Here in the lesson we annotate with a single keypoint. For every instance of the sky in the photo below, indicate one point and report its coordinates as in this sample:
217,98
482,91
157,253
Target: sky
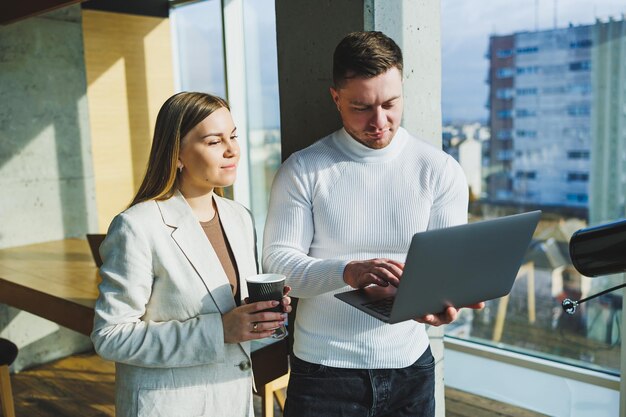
465,26
465,32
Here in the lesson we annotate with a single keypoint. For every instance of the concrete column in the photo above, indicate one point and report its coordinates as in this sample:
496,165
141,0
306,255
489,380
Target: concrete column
307,33
416,28
45,160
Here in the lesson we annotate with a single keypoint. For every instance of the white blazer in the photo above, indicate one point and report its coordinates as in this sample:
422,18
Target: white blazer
159,312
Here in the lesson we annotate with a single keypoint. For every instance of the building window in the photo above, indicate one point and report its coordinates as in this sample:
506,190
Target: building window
525,133
527,50
505,93
556,70
582,154
532,69
505,72
577,197
504,134
580,66
577,176
583,88
505,114
505,155
528,91
577,132
584,43
503,194
558,89
578,110
504,53
526,175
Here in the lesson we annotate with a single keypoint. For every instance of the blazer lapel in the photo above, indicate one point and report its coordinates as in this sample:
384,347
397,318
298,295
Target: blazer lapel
190,238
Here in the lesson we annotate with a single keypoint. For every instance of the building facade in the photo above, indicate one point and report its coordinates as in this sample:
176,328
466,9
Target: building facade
608,126
541,113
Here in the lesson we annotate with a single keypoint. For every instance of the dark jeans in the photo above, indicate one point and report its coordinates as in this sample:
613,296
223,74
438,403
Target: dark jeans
322,391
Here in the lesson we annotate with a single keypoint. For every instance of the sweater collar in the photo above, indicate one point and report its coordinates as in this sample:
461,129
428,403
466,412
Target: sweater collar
361,153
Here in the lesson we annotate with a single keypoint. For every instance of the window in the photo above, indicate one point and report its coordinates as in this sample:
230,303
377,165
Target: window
578,110
577,197
578,132
561,160
505,72
199,29
532,69
527,50
505,93
552,90
583,89
525,113
526,133
504,134
200,47
528,91
503,194
578,154
262,104
577,176
580,66
583,43
505,114
556,70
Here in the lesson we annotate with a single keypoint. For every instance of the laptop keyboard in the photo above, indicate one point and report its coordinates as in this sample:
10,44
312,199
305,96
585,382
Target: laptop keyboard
382,306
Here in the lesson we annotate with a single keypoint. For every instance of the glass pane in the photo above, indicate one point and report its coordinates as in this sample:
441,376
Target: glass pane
533,109
262,103
200,47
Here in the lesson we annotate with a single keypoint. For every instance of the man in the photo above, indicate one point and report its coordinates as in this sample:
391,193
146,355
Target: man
342,214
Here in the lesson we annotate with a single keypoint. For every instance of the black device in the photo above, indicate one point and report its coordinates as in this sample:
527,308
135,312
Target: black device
598,250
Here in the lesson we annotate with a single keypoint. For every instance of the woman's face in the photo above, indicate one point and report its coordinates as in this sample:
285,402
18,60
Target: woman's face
209,154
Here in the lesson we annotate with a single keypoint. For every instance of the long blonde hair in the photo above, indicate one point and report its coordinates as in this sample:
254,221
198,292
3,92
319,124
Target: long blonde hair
178,115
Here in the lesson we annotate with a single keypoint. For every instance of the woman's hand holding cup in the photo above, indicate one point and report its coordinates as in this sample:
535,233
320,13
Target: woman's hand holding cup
263,288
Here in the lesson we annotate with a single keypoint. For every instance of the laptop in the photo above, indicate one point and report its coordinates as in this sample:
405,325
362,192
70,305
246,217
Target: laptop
455,266
95,239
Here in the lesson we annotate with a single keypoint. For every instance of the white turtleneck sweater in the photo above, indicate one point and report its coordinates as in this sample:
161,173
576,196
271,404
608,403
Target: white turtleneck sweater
338,201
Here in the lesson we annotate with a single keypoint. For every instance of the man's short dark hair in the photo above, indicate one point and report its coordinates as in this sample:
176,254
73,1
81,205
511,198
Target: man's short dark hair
364,54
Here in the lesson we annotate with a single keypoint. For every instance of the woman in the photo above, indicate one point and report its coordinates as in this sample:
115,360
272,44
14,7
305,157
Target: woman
170,311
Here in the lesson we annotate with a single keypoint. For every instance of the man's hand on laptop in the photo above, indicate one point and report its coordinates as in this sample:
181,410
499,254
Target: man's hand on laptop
448,316
379,271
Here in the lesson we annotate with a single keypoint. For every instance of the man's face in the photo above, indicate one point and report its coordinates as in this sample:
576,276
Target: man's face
371,108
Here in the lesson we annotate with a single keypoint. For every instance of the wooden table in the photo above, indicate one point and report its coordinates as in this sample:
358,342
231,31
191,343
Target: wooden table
59,282
55,280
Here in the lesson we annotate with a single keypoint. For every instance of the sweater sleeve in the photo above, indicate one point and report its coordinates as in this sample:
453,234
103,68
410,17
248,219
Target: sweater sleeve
289,231
451,198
